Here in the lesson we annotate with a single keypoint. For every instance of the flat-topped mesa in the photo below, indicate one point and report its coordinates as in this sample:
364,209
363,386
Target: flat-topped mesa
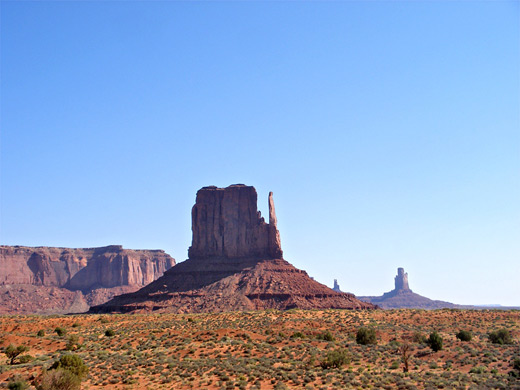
401,280
226,223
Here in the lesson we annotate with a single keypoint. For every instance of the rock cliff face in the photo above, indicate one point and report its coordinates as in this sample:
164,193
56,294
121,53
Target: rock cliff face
402,297
57,280
226,223
235,263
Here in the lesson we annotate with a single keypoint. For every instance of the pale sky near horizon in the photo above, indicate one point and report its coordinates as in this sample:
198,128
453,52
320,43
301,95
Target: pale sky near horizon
388,131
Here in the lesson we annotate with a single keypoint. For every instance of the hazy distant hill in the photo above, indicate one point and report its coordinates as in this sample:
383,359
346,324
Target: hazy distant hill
402,297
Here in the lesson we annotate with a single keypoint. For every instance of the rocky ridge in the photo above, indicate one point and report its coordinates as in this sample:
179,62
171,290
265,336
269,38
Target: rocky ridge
50,280
235,263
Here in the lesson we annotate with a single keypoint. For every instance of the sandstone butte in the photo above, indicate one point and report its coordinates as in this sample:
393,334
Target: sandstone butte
47,280
401,297
235,262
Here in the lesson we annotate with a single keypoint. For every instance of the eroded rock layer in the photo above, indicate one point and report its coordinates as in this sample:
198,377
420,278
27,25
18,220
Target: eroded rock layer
62,280
226,223
235,263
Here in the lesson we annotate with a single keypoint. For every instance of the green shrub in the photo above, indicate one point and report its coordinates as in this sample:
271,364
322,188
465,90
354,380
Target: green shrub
366,336
60,331
435,341
335,359
419,338
110,332
72,363
477,370
73,343
41,333
17,384
327,336
298,335
516,364
501,336
12,352
464,335
25,359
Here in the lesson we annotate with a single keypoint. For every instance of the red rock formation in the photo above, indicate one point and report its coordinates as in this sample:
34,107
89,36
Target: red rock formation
226,223
235,263
67,280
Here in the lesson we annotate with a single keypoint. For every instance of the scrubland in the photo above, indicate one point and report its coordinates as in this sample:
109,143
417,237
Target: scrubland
294,349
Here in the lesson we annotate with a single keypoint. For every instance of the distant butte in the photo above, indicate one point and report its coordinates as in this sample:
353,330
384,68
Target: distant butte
50,280
402,297
235,262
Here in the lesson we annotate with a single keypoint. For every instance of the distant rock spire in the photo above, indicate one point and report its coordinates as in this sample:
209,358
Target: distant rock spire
401,280
336,286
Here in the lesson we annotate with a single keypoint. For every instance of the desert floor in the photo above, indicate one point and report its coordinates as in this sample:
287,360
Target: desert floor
270,349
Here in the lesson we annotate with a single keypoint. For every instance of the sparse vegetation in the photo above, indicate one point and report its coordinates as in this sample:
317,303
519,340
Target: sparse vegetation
73,343
335,358
501,336
366,336
435,341
17,384
464,335
261,350
60,331
13,352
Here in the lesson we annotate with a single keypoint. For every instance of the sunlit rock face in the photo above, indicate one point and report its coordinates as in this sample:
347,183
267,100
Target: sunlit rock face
226,223
61,280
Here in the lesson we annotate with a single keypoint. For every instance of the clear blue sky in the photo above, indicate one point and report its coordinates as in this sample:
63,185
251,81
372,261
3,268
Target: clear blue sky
388,131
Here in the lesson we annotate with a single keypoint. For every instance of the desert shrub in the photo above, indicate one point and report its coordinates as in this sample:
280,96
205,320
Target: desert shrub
110,332
515,373
435,341
13,352
60,379
73,343
297,335
60,331
17,384
41,333
501,336
335,358
25,359
327,336
366,336
464,335
477,370
419,338
72,363
76,325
